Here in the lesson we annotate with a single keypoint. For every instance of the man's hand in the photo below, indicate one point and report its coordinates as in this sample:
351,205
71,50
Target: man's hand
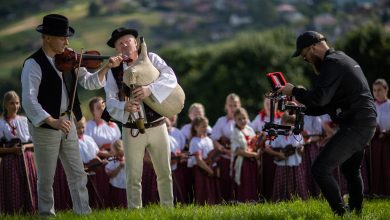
61,124
132,106
141,93
114,61
287,89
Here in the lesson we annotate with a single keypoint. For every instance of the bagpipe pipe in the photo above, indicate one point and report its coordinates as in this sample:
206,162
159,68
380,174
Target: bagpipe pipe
284,103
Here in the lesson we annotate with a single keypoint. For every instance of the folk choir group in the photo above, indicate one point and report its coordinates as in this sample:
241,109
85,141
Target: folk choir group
228,162
55,159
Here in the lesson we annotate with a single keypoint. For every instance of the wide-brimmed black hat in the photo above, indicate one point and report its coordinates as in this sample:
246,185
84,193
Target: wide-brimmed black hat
119,32
56,25
306,39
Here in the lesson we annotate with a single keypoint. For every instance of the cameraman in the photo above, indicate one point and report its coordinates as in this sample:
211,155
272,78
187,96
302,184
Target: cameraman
342,91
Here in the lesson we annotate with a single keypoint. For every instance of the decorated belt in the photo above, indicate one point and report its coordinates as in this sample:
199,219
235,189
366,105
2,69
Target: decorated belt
156,123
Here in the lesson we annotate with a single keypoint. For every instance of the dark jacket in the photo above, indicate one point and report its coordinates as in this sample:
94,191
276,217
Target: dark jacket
341,91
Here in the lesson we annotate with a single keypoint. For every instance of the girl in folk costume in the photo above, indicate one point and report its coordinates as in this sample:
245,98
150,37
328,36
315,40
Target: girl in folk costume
380,144
245,158
220,135
89,152
180,172
115,169
104,133
18,177
206,186
267,165
290,177
195,110
312,134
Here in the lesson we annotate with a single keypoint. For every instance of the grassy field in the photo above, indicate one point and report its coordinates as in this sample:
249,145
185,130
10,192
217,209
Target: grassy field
311,209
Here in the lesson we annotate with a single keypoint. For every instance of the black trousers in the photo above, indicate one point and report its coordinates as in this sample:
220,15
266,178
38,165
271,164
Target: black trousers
345,148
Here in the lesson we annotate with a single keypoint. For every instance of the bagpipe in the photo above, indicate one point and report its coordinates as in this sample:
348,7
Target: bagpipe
277,81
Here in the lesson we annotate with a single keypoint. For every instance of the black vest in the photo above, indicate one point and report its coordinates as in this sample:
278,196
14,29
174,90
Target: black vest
50,88
125,91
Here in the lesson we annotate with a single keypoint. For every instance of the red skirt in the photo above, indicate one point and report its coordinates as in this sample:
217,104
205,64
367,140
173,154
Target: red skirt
149,185
62,199
226,181
379,159
181,191
247,190
267,173
95,200
311,151
206,188
289,181
15,193
103,186
118,197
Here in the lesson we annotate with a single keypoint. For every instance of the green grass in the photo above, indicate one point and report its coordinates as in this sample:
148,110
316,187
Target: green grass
297,209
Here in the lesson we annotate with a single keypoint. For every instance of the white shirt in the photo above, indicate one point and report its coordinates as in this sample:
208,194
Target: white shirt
21,129
223,127
103,133
179,137
31,79
383,118
119,181
281,142
161,88
202,146
88,148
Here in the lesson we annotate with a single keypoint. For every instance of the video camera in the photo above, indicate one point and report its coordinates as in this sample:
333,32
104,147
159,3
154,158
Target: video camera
277,80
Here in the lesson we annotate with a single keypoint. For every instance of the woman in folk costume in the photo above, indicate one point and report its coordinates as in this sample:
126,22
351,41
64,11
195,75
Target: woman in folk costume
104,133
206,186
267,165
380,144
181,174
115,169
222,130
18,177
195,110
290,177
245,157
90,155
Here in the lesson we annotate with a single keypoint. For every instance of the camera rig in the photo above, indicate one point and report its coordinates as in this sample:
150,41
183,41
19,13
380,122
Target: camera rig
285,103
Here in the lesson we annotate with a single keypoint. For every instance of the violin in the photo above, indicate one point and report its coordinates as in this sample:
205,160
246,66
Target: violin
69,60
91,59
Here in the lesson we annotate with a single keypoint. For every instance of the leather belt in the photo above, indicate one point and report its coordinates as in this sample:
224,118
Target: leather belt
156,123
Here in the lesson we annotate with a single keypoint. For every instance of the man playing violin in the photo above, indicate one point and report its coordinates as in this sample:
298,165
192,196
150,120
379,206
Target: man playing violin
155,139
46,96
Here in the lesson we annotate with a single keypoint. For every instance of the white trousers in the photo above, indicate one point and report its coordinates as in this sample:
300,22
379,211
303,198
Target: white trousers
156,141
50,144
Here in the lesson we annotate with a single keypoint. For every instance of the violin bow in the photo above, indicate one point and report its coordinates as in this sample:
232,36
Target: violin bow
70,110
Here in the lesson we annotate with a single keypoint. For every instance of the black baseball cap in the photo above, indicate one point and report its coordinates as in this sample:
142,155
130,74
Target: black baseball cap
306,39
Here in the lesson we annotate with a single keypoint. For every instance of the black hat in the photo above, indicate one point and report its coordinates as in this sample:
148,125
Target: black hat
306,39
119,32
56,25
